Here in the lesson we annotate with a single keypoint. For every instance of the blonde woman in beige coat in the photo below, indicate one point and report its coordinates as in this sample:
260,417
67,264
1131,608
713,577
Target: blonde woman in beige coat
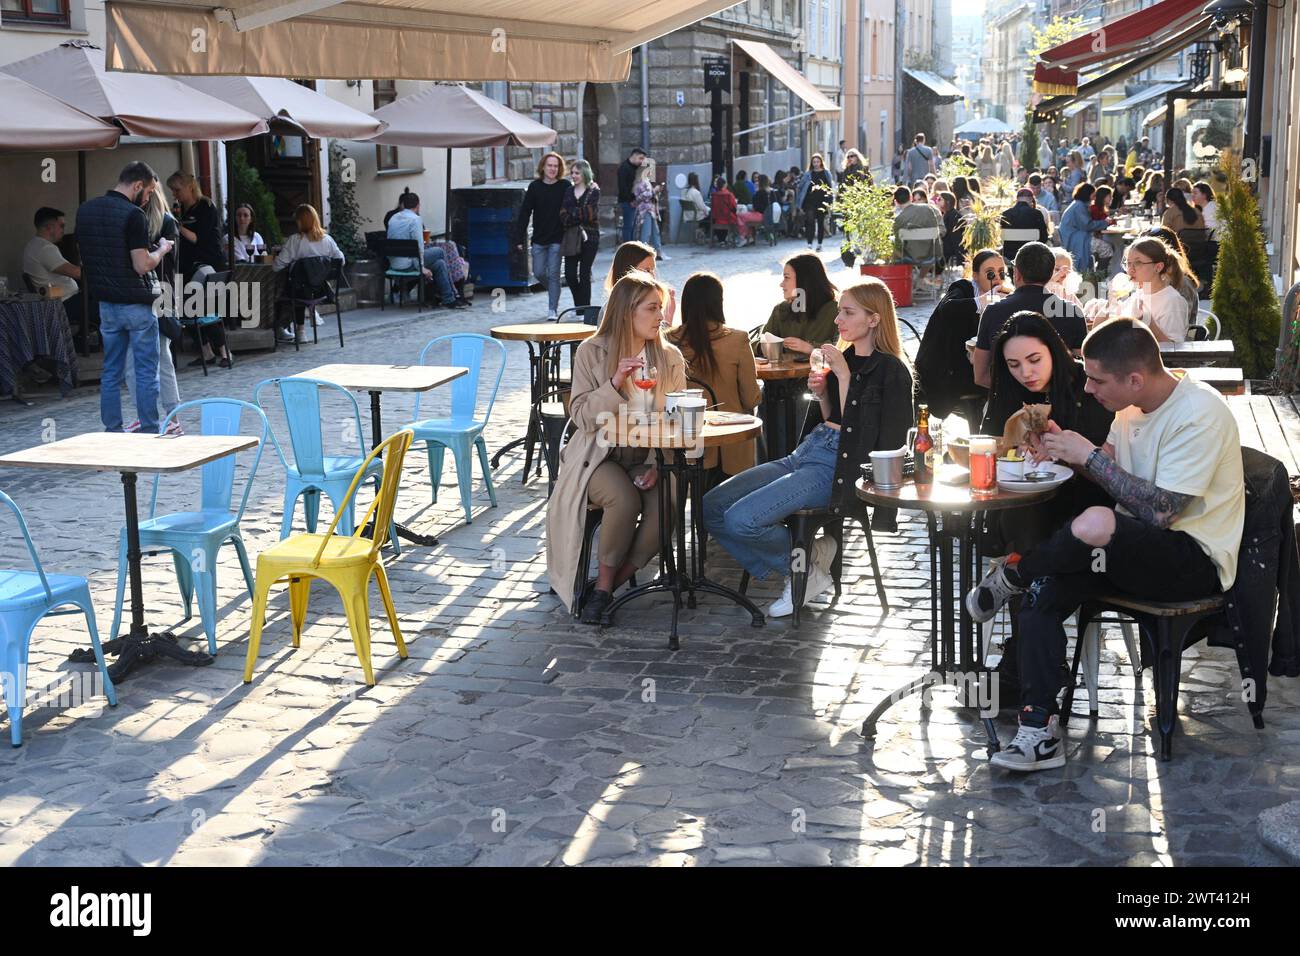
620,481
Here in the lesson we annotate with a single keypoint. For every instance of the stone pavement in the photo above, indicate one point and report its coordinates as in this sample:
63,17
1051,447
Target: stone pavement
513,735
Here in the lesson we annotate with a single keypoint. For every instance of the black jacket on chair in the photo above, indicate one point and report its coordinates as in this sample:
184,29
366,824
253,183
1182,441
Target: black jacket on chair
877,415
1263,604
943,370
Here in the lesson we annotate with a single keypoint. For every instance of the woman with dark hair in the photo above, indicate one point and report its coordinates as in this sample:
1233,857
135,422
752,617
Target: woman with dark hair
720,358
1180,214
961,193
248,241
1077,227
723,210
1153,190
581,207
743,189
1031,365
945,377
805,318
953,226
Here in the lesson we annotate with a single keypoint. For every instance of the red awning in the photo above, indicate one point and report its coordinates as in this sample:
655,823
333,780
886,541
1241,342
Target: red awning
1057,69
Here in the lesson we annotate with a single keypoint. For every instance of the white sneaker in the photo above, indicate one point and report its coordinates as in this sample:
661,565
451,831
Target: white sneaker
1034,748
551,316
824,551
174,427
663,258
993,591
819,582
316,318
784,605
284,335
133,427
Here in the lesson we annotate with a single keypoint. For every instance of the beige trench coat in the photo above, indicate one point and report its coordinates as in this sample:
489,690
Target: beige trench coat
566,512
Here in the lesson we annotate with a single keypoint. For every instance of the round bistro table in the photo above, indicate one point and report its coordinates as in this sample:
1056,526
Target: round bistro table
783,383
670,454
544,341
953,517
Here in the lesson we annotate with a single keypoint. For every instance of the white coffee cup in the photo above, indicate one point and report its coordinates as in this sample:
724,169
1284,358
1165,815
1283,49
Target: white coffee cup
691,408
671,400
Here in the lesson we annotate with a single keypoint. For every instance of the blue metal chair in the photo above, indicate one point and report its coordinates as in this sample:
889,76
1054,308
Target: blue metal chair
312,471
195,537
26,598
463,431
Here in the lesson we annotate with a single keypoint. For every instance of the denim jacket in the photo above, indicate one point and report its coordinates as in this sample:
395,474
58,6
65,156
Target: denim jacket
877,414
1268,577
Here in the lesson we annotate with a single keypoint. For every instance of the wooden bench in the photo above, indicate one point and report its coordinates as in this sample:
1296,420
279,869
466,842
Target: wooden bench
1188,354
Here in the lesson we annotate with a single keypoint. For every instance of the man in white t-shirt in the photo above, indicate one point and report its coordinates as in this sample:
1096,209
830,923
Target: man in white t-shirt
1172,463
44,264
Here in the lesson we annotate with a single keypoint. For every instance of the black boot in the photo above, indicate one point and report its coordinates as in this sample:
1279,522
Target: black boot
594,609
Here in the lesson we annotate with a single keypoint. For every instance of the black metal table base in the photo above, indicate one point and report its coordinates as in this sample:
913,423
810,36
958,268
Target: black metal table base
135,649
672,579
954,637
138,646
376,436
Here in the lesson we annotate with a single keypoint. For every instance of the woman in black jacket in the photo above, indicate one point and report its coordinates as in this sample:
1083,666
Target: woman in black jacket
202,251
1032,365
864,403
581,207
542,203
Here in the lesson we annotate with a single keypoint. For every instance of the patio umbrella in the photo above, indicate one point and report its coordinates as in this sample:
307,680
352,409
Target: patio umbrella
983,126
280,101
455,116
31,119
447,116
142,104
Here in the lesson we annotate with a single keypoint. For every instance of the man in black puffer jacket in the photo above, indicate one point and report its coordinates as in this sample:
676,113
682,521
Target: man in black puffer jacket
113,238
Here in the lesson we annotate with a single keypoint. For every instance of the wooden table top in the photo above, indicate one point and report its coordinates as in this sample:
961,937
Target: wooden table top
1271,424
1229,381
544,332
386,378
940,497
1206,350
659,434
129,452
777,371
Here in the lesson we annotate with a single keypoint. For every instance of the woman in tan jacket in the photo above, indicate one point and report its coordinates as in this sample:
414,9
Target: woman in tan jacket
721,358
619,481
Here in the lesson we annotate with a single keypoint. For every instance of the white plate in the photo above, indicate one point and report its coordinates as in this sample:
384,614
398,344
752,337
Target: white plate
1063,474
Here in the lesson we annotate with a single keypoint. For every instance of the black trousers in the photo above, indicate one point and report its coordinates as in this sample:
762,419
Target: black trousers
577,271
814,218
1140,561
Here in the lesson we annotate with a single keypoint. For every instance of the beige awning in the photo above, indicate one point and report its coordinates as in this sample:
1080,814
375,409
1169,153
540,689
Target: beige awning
284,102
518,40
458,117
156,106
31,119
822,105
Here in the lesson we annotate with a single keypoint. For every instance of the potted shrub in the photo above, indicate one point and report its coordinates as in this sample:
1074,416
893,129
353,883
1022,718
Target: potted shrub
983,229
362,269
1244,298
867,218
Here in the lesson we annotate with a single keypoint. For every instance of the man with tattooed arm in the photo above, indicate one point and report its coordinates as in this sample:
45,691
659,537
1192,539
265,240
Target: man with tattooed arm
1172,462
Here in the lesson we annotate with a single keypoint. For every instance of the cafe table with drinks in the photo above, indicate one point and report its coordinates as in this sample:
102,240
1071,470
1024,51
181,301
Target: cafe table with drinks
954,496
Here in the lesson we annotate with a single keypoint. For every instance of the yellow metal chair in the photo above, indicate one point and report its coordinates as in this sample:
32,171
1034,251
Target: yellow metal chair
346,562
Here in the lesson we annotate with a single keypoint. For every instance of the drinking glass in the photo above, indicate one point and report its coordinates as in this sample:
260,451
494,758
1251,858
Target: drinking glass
983,466
645,378
816,360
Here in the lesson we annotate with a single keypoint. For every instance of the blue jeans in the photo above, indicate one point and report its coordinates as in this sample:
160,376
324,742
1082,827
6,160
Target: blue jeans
435,260
650,233
744,514
124,325
629,220
546,267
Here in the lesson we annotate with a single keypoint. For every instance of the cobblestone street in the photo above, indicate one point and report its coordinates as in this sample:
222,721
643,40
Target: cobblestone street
515,735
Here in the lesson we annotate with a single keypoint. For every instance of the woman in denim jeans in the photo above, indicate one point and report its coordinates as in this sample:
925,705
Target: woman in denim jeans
543,200
864,403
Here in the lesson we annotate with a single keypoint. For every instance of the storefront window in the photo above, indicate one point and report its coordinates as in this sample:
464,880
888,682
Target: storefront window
1203,128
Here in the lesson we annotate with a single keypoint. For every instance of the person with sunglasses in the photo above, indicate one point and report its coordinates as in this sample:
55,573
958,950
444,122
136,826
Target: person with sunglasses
1035,264
1157,300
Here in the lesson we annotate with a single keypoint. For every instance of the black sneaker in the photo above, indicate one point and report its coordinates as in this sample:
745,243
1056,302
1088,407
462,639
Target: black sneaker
594,609
1037,744
456,304
227,362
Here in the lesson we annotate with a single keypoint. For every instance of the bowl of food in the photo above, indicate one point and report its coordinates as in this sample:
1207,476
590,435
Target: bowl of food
959,448
1011,466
